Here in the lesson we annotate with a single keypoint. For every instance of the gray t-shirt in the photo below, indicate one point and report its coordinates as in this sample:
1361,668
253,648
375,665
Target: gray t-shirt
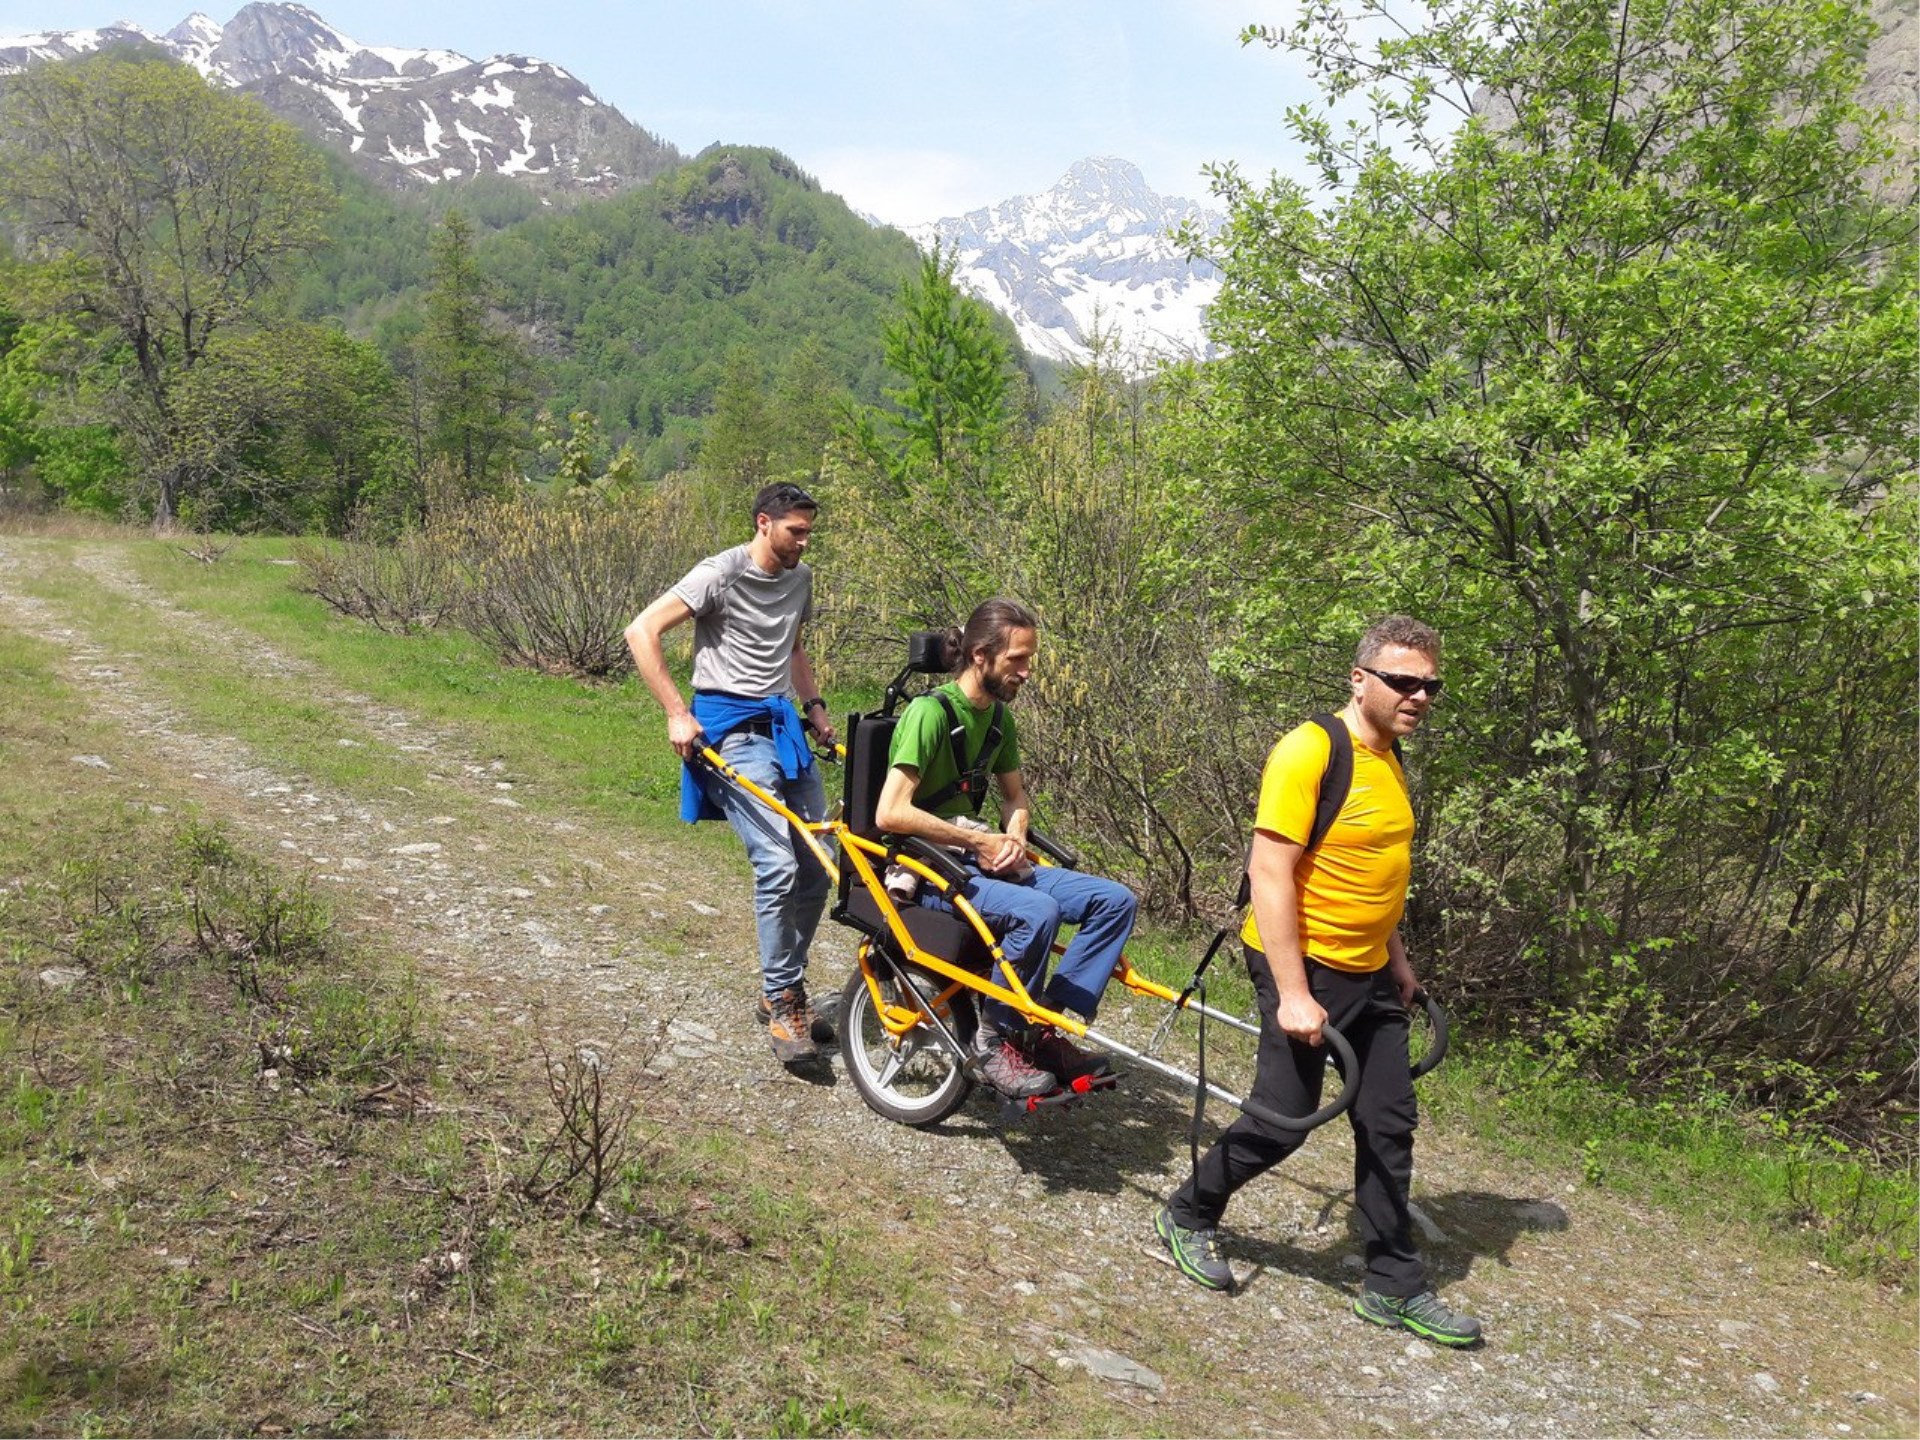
745,622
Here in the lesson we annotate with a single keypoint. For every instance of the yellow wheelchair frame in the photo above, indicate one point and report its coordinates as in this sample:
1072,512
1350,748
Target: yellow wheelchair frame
907,1010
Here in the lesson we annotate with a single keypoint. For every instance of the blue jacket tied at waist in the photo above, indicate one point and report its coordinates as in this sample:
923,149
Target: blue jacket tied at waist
720,714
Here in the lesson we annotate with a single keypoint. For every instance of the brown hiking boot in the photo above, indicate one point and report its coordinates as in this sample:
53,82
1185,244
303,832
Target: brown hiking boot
821,1027
790,1025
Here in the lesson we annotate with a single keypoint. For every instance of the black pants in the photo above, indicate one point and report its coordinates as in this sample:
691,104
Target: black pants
1366,1009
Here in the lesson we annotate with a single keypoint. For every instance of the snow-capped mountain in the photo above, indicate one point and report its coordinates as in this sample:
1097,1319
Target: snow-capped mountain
1096,248
408,116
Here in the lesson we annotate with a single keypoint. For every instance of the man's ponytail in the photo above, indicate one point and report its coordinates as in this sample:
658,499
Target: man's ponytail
953,655
988,629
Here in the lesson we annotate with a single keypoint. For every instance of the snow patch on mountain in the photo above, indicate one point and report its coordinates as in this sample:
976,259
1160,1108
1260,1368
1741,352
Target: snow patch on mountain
1095,253
419,107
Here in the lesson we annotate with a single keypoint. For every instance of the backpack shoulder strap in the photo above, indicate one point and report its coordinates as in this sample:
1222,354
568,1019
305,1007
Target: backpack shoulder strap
1336,781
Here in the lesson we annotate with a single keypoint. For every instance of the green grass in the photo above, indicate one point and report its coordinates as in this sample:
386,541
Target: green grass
190,1244
1700,1156
599,749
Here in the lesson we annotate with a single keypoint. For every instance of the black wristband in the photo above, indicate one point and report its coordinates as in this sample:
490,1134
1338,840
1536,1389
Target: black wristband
816,700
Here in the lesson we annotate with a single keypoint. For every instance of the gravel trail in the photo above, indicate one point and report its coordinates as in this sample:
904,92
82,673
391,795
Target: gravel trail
1604,1316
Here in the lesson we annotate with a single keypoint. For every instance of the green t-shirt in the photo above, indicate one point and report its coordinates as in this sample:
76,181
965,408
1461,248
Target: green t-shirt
921,744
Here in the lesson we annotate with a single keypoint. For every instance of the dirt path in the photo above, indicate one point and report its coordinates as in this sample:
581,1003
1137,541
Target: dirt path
1604,1316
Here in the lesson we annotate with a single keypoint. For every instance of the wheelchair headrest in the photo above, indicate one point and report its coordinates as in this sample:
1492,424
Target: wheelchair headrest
926,653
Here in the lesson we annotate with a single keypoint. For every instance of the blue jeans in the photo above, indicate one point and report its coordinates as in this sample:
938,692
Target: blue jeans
789,887
1026,916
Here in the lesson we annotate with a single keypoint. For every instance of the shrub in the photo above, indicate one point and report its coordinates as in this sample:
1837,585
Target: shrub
408,583
552,583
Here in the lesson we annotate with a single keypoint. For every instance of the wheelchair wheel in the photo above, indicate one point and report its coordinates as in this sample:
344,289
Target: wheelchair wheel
916,1080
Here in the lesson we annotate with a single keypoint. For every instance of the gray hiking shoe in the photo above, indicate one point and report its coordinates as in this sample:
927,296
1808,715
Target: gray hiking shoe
1196,1252
1003,1067
1425,1314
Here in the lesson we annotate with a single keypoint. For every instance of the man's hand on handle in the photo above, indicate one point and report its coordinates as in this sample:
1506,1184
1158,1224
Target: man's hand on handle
1401,969
1302,1017
686,735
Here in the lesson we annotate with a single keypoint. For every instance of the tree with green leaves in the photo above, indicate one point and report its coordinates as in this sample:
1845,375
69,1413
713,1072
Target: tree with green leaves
1597,350
472,368
737,443
804,413
921,474
296,428
159,210
952,399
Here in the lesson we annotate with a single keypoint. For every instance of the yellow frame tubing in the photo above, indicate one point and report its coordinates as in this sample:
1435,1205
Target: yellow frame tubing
856,849
896,1020
808,830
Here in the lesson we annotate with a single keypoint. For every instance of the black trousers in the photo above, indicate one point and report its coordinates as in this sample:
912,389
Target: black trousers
1366,1009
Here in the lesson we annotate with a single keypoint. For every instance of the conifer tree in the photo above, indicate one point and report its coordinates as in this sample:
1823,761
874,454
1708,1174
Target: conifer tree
472,368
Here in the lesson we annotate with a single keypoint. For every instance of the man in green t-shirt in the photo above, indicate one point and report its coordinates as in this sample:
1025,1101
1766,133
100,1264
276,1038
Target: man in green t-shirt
929,790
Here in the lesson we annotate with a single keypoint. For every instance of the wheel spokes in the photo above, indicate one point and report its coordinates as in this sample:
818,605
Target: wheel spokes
895,1063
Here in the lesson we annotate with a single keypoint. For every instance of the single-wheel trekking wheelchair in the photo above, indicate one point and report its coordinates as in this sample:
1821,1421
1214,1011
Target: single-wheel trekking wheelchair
907,1013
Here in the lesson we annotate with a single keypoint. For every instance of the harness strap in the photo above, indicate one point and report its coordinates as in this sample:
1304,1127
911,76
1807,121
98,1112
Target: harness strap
971,775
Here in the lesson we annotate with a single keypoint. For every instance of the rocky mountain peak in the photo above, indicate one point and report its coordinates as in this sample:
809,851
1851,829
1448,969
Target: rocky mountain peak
270,39
1095,250
196,29
407,116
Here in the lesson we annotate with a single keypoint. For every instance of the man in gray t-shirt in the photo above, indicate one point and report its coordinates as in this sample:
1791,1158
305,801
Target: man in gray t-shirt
746,622
748,606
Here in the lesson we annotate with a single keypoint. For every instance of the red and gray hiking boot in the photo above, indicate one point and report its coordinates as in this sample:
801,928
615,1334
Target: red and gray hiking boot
790,1025
1049,1050
1003,1067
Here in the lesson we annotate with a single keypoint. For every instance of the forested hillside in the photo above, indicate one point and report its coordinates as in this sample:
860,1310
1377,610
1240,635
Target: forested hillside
355,334
633,304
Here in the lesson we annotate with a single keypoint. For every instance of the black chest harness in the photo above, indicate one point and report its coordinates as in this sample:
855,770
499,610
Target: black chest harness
973,774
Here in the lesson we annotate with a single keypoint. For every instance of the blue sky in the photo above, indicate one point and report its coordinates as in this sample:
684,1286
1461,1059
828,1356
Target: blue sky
912,109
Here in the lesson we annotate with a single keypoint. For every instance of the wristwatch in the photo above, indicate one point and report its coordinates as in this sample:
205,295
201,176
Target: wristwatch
808,705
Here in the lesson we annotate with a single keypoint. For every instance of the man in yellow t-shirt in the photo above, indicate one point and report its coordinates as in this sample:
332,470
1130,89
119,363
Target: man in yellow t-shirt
1323,947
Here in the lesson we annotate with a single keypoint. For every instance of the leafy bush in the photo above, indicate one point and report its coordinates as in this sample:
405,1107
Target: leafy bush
552,583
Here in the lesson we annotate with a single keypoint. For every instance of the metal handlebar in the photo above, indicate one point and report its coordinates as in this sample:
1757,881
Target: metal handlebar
1350,1085
1437,1024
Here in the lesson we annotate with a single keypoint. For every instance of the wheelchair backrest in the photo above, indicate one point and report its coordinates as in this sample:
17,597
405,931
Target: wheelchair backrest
869,738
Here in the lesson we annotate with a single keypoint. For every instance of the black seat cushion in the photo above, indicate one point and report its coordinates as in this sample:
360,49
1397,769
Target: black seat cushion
934,931
869,737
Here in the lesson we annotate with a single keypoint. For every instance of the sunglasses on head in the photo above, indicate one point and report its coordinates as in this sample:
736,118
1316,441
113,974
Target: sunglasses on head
1406,684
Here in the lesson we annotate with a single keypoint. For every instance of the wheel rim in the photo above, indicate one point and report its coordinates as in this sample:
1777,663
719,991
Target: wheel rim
917,1073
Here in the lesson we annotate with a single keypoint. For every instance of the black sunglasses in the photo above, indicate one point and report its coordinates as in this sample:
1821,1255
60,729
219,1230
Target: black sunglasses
1406,684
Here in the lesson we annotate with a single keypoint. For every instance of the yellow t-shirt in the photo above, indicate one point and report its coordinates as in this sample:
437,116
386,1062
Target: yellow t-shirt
1353,886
